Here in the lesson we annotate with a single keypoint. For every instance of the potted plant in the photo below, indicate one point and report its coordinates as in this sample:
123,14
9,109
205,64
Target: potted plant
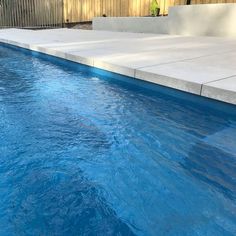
155,9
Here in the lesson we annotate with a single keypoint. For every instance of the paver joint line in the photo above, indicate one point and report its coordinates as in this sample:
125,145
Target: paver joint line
184,60
201,89
219,79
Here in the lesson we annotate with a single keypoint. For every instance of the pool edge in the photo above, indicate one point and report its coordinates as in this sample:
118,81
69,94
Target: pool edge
165,81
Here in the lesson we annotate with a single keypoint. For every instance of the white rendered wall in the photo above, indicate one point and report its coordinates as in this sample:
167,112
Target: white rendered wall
158,25
204,19
195,20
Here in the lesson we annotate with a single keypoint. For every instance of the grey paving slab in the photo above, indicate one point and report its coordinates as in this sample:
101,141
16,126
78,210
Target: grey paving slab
181,62
192,73
222,90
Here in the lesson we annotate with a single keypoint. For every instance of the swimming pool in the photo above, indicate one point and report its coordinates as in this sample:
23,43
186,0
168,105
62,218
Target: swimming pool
85,152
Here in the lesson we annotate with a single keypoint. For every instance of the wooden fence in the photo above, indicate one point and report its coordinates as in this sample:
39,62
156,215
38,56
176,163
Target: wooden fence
53,13
85,10
31,13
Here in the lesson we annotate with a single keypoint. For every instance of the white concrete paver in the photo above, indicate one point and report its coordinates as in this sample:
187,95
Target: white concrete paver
223,90
185,63
191,74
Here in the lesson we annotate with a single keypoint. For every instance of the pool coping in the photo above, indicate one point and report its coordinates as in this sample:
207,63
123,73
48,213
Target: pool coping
200,89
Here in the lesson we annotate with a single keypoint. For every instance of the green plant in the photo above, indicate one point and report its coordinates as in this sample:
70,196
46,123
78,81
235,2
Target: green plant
154,8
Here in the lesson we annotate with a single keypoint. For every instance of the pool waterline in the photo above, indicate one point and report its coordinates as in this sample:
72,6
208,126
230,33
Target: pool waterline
187,96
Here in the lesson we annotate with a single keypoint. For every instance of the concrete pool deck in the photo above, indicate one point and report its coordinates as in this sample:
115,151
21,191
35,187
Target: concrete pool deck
205,66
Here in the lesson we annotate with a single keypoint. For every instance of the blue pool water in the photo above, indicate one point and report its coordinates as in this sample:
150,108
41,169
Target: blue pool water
84,153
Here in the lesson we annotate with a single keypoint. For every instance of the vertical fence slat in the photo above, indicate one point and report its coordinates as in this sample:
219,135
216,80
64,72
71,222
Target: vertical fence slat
32,13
